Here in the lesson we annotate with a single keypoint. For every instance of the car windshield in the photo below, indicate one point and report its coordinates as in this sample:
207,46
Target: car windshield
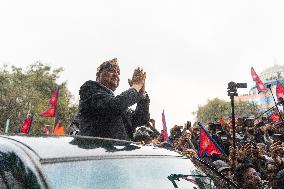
143,173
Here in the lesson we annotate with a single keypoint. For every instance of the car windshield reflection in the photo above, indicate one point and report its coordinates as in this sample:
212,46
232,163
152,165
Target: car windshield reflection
126,173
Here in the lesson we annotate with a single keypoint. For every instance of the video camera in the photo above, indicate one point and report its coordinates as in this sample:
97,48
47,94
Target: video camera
233,85
232,88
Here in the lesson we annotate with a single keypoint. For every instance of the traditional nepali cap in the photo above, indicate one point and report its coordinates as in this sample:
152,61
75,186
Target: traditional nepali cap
108,64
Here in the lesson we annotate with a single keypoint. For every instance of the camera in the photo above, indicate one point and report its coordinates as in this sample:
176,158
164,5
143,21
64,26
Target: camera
233,85
232,88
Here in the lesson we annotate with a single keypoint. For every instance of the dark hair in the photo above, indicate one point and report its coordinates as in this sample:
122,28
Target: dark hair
240,170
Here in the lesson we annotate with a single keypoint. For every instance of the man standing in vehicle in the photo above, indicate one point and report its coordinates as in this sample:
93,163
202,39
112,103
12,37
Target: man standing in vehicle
102,114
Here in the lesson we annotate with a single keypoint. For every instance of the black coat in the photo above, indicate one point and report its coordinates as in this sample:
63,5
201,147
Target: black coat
102,114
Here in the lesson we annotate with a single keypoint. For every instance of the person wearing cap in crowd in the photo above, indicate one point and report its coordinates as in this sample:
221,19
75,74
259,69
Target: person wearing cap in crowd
102,114
222,167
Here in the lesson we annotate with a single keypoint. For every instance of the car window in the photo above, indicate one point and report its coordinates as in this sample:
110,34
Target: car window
15,174
142,173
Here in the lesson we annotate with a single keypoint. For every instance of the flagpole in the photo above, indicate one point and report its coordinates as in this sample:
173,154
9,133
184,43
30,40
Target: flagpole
269,86
29,111
55,118
54,125
52,110
7,126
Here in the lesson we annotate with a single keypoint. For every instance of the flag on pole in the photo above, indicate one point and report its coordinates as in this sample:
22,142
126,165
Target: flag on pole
275,117
51,111
279,91
259,83
25,128
165,132
59,129
207,145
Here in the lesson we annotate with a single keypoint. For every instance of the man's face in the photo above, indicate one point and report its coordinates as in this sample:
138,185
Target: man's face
110,77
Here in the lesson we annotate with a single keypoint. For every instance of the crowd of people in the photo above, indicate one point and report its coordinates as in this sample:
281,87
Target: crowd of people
256,162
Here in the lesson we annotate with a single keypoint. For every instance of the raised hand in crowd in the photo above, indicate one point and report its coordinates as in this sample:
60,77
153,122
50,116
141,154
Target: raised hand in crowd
277,152
245,151
233,154
190,153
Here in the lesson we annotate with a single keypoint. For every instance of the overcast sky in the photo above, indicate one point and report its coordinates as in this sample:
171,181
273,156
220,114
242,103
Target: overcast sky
189,49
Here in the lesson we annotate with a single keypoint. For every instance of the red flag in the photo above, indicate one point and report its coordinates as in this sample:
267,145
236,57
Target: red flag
275,118
254,74
259,83
207,145
50,112
25,128
165,133
279,91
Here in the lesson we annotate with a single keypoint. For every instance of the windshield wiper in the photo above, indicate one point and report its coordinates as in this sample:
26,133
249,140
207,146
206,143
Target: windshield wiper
174,177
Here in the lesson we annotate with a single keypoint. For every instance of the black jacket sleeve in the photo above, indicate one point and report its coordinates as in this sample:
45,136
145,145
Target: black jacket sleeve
102,102
141,114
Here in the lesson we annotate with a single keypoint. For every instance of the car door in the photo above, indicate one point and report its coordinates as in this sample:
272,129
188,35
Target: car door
17,170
